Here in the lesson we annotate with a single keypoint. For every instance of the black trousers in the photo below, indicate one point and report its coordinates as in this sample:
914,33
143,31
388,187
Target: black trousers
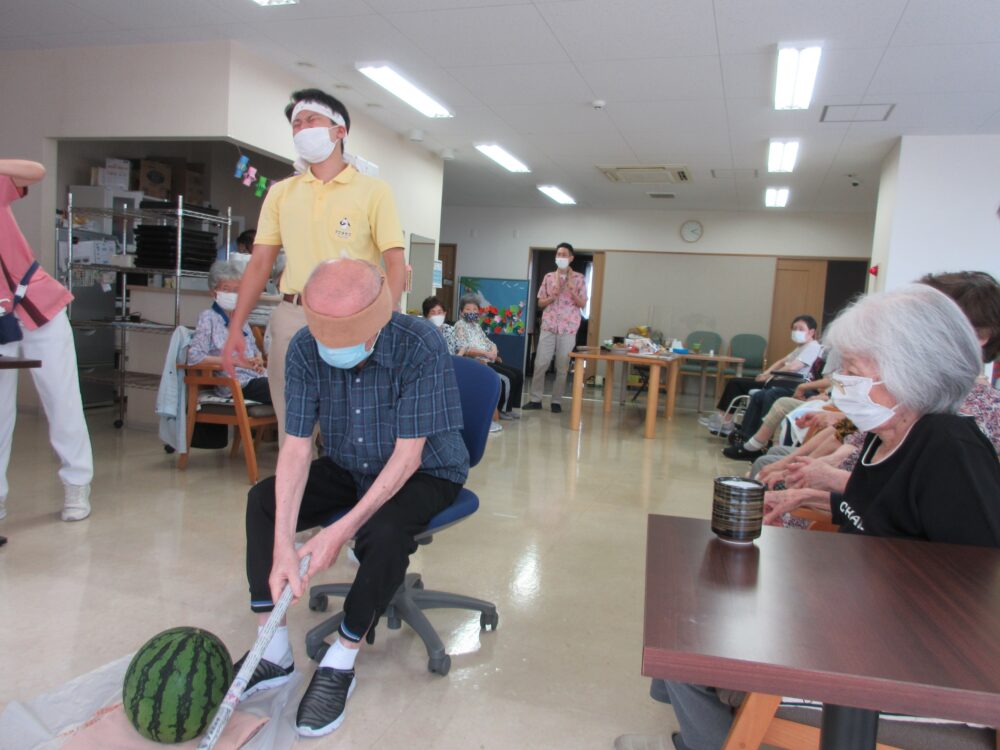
258,390
760,404
736,387
510,398
383,545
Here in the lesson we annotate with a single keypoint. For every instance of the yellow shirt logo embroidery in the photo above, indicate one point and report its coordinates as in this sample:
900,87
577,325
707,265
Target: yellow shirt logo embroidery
344,230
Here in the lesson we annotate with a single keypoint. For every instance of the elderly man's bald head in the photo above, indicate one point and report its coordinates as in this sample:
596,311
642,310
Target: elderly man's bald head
339,288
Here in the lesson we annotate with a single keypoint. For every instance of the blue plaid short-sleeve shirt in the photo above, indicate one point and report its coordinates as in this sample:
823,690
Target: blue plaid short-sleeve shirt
405,389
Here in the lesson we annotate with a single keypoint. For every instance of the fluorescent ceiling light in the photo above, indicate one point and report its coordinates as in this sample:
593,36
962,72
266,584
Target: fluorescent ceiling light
395,84
776,197
781,156
796,78
501,157
276,2
557,195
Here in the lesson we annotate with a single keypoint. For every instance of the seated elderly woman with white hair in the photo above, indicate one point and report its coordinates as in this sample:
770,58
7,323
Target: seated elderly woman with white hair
213,329
908,359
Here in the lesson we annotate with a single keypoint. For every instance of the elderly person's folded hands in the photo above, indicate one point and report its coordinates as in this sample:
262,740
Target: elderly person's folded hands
815,473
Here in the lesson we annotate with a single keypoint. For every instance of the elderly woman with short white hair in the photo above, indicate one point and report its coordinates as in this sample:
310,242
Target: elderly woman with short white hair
909,358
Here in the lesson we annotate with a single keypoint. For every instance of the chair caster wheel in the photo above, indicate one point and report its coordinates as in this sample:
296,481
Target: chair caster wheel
394,623
489,620
440,665
119,424
168,449
319,603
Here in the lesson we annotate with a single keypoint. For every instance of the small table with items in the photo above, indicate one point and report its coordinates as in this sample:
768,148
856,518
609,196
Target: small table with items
862,624
654,362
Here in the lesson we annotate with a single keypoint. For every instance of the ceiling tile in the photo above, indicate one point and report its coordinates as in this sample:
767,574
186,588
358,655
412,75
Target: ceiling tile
757,27
939,114
629,29
128,14
48,17
481,36
567,148
938,68
936,22
245,10
539,83
555,118
645,80
396,6
687,115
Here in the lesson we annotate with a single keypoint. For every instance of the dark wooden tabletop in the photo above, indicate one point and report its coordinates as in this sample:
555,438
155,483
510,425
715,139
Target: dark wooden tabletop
885,624
17,363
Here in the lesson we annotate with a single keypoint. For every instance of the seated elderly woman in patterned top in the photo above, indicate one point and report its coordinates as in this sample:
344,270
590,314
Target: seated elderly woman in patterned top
212,330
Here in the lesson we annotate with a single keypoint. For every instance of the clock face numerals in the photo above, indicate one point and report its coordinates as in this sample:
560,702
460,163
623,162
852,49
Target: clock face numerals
691,231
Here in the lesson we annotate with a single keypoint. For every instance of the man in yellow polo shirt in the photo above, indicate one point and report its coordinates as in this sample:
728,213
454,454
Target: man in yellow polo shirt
328,211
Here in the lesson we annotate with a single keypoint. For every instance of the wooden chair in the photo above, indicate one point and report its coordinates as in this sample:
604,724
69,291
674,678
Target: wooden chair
244,418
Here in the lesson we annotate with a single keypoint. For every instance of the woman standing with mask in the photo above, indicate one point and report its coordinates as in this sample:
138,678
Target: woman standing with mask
561,296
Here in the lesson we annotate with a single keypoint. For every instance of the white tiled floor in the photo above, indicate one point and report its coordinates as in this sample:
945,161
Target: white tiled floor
558,544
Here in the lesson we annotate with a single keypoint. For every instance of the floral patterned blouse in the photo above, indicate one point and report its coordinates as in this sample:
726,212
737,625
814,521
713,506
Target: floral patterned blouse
562,316
471,336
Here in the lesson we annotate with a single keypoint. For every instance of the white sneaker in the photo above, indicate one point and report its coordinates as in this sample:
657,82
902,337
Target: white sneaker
76,506
496,427
713,423
3,508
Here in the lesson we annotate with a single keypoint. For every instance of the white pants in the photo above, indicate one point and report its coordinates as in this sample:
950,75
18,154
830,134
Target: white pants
549,345
58,384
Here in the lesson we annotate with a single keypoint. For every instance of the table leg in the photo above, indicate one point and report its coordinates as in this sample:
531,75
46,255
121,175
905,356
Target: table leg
652,397
845,728
701,386
578,376
672,370
609,384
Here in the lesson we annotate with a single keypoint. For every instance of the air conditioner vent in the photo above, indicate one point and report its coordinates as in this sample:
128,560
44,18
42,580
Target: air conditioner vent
740,175
661,195
647,174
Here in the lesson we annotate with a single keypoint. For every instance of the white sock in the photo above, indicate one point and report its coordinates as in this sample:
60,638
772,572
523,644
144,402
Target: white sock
340,656
752,445
279,650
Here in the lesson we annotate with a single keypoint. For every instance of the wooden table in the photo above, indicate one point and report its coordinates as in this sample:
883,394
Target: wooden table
18,363
654,363
705,360
862,622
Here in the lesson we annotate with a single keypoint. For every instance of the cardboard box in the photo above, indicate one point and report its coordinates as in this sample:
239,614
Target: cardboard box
154,178
191,184
108,177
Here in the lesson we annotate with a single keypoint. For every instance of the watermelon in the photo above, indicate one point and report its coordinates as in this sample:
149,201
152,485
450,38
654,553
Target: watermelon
175,684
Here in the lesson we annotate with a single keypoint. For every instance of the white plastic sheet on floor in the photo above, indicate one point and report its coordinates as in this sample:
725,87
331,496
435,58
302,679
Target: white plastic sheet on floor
49,720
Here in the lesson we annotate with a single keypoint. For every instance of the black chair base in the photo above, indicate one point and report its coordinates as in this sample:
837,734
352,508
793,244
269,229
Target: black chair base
407,606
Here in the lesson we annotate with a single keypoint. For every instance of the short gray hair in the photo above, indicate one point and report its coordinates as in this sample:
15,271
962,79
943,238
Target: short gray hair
920,341
469,299
224,270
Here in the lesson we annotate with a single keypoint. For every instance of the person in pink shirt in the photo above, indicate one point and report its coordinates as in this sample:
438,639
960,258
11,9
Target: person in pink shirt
561,296
46,336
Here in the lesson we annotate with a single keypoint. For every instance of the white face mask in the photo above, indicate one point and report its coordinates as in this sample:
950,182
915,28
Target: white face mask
799,337
437,320
562,263
314,145
852,395
226,300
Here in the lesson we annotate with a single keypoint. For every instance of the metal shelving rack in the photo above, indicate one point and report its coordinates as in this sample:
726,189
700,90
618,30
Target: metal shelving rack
121,376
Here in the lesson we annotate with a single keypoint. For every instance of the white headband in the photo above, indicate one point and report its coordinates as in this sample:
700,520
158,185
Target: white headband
318,108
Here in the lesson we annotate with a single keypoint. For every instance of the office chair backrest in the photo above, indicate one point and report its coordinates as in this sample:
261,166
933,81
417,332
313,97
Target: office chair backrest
751,347
479,389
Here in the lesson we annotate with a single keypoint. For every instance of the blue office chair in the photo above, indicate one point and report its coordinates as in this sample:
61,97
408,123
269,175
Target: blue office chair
479,390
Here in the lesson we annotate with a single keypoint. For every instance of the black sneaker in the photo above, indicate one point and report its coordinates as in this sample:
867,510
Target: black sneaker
266,676
532,406
739,453
556,408
321,709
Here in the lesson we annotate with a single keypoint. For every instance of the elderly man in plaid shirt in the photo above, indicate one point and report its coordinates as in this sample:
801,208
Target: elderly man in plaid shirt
381,387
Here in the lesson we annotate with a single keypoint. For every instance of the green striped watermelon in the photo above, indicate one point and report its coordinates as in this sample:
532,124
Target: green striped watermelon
175,683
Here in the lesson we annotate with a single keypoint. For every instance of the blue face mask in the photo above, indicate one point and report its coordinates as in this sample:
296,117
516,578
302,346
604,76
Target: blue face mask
345,357
471,317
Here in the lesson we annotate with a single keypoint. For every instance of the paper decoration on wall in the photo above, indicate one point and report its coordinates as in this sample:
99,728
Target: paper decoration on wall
249,177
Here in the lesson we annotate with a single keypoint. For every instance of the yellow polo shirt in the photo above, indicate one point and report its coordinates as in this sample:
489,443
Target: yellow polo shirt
352,213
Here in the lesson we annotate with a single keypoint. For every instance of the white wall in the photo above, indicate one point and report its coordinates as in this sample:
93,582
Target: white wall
495,242
678,294
888,189
944,212
422,256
